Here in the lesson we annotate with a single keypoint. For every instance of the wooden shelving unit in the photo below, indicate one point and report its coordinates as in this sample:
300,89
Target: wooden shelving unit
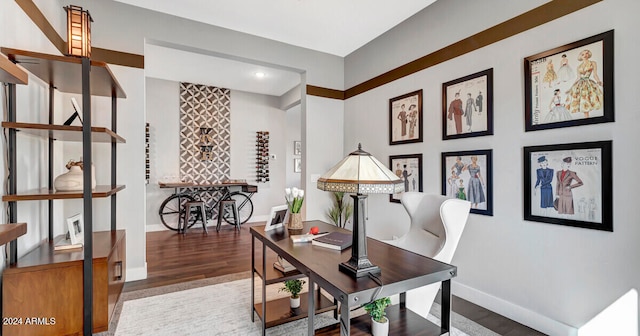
49,277
101,191
88,78
11,73
65,133
9,232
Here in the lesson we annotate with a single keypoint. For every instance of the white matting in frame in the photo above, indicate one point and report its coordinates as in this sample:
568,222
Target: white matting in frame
277,217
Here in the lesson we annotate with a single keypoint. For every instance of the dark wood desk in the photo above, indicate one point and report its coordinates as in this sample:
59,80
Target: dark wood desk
401,271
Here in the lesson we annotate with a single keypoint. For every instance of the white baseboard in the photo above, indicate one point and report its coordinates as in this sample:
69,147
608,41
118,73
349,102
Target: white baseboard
514,312
139,273
155,227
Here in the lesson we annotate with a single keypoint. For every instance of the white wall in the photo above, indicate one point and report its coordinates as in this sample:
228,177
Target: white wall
551,277
322,140
163,115
293,133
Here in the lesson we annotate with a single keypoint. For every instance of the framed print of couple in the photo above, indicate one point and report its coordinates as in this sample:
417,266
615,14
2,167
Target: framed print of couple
405,118
569,184
467,106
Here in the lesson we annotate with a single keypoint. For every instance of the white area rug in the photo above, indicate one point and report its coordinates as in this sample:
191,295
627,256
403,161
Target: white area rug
223,309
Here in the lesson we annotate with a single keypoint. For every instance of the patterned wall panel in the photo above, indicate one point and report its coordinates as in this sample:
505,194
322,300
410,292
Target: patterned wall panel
205,138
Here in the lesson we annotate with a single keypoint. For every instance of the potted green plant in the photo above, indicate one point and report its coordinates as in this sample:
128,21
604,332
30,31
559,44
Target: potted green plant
293,287
379,322
341,210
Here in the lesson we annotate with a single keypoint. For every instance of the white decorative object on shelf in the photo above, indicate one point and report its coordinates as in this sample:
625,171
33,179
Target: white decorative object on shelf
72,180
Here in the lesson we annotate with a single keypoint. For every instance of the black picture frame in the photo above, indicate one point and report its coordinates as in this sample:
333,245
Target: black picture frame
460,178
554,99
466,110
405,118
413,169
588,179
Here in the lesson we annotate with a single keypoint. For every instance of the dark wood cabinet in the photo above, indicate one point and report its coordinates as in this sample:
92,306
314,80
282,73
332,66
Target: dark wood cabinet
43,291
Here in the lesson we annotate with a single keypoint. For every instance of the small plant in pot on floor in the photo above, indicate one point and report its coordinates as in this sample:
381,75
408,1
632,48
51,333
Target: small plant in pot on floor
293,287
379,322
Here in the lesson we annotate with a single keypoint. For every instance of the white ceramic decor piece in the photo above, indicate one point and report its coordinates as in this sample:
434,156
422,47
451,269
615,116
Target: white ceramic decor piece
72,180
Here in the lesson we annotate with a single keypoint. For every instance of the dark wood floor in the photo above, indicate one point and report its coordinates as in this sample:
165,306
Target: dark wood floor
175,258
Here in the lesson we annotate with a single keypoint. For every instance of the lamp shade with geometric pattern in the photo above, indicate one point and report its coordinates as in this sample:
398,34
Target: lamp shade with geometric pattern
361,173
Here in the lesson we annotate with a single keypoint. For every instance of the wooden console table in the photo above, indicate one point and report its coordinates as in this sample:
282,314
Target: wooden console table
401,271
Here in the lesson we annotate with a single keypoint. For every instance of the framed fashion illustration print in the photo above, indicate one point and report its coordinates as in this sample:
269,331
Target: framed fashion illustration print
467,106
570,85
468,175
569,184
409,169
297,148
405,118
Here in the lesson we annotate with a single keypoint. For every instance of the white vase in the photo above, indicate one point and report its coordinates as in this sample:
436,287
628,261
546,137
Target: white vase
72,180
380,329
294,302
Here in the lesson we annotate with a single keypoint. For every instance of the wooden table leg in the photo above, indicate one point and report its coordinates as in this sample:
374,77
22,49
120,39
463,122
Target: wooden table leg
253,276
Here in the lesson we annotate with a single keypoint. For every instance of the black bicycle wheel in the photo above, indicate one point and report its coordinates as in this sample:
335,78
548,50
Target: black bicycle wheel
172,211
245,208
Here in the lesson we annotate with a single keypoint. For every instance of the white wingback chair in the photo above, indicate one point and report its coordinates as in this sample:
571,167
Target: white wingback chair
437,223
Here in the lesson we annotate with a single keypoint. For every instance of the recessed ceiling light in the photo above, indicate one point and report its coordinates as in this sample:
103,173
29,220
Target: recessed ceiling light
260,74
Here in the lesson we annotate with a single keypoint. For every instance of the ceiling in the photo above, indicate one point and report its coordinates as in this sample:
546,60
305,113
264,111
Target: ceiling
337,27
215,71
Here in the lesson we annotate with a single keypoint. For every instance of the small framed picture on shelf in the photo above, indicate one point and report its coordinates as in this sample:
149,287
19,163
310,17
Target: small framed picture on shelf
409,169
405,118
297,165
297,148
277,217
570,85
569,184
468,175
76,229
467,106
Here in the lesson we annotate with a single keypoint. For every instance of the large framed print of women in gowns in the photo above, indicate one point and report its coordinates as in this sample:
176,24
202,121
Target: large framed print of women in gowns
468,175
569,184
570,85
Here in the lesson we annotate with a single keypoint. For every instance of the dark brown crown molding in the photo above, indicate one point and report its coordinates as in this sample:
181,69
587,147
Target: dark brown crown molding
324,92
538,16
531,19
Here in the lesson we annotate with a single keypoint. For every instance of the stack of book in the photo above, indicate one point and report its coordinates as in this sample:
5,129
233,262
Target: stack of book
334,240
65,244
283,266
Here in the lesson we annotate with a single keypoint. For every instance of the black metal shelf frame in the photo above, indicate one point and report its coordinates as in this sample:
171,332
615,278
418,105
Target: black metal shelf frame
87,192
